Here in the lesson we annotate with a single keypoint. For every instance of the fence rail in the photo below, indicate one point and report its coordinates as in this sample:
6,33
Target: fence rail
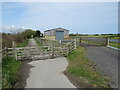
17,53
96,40
54,49
58,48
104,41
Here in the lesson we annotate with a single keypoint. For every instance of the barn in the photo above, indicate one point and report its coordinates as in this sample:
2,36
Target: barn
56,34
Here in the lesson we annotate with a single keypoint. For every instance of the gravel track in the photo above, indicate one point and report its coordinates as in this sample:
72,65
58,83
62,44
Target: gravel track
106,60
48,73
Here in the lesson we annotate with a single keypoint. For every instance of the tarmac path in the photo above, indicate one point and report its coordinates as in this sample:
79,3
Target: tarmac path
106,59
48,73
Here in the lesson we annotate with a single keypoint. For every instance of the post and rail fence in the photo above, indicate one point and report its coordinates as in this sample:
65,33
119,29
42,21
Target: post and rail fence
61,49
15,52
12,52
100,41
53,50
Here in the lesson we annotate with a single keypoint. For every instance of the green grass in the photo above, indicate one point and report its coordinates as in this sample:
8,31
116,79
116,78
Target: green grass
23,44
39,44
114,44
80,66
92,43
9,69
111,36
115,37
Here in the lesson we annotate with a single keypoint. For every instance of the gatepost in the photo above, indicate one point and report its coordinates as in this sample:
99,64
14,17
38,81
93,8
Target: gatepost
14,50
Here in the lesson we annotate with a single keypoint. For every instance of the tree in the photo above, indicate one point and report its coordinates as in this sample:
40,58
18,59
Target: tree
38,33
28,32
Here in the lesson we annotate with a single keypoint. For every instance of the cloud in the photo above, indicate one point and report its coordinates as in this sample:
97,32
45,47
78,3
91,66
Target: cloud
12,29
79,16
44,13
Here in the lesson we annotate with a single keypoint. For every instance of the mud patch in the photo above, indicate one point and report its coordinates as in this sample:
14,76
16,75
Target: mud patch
78,82
23,74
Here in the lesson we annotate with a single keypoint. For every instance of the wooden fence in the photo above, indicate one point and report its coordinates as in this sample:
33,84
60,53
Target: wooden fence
101,41
12,52
59,49
54,50
16,53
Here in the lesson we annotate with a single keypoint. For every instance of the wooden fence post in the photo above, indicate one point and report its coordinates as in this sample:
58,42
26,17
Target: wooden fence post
107,41
14,50
5,52
75,43
80,41
67,49
52,50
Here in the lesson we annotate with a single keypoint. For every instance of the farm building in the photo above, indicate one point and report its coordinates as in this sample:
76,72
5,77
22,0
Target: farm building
56,34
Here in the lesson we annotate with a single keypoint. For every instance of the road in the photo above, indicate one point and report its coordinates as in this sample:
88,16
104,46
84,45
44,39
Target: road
48,73
106,59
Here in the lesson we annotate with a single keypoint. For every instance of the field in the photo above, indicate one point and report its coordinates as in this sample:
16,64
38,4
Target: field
114,41
114,44
110,36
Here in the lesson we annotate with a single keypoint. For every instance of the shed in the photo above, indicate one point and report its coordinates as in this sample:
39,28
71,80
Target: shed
56,34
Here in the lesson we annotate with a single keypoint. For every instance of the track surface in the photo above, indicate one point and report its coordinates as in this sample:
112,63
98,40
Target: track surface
48,73
106,59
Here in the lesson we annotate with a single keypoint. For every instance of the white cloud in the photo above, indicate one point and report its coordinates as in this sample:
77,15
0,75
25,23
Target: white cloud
12,29
48,15
36,12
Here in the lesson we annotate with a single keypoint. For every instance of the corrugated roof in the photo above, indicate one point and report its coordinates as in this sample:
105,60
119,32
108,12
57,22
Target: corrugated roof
56,29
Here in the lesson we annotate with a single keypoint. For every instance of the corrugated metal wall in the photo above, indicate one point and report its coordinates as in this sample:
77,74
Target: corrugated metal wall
59,35
53,33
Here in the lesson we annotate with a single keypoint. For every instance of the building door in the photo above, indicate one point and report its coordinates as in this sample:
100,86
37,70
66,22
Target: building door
59,35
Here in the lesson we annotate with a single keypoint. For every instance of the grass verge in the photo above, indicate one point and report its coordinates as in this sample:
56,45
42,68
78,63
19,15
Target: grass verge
80,66
23,44
114,44
9,70
39,44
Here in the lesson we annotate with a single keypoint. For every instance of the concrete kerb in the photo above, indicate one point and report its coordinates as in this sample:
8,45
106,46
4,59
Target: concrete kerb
113,48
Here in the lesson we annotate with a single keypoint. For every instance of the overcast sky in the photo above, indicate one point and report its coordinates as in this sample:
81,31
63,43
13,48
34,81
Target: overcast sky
81,17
